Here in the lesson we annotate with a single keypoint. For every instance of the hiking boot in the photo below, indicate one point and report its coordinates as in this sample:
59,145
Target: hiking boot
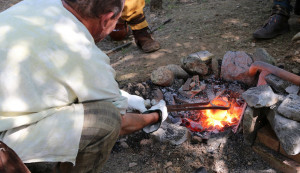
144,40
276,25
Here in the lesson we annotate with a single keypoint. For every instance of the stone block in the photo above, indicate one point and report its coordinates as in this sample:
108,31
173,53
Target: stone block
287,131
261,96
251,123
278,162
204,56
235,67
268,137
294,157
290,107
293,89
171,133
276,83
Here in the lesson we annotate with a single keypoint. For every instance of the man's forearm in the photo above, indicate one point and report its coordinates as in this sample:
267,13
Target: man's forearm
132,122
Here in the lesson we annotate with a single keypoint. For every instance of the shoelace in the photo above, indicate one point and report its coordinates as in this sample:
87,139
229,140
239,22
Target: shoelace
269,21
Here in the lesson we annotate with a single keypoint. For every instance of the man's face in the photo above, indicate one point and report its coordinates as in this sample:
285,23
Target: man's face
107,29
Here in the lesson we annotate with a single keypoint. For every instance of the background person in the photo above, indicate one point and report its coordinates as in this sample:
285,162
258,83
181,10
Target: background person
277,23
133,14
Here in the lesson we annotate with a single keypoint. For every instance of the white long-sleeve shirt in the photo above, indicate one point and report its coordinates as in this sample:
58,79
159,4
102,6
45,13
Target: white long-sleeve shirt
48,59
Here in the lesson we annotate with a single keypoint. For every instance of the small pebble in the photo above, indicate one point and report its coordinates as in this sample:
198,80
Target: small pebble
295,70
132,164
146,142
168,164
124,145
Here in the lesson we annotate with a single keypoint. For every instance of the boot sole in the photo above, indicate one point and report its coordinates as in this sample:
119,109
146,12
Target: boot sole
269,36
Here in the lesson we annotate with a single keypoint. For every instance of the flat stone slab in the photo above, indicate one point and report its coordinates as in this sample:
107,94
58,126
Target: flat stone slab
172,133
204,56
287,131
292,89
290,107
261,96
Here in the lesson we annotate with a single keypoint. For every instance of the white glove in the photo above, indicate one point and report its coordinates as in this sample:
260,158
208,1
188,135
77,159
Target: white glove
163,112
134,102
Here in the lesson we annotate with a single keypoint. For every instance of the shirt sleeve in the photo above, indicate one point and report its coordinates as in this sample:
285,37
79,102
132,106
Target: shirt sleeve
92,78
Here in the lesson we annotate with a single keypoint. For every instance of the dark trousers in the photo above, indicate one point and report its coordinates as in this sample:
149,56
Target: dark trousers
284,7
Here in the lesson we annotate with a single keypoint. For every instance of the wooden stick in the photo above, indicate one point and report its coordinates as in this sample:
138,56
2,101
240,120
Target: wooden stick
118,48
165,22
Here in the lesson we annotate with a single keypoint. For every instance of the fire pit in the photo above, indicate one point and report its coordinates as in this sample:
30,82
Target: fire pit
207,107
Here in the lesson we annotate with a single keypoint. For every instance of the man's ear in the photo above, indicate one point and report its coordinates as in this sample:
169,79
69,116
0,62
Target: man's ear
105,18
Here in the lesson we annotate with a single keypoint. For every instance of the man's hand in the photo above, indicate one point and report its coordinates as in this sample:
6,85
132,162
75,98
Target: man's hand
163,112
134,102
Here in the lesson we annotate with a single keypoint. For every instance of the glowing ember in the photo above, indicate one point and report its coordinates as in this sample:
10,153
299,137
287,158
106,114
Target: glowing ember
213,119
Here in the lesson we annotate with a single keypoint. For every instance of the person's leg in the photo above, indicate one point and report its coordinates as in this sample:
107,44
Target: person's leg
282,7
133,14
101,128
277,24
297,7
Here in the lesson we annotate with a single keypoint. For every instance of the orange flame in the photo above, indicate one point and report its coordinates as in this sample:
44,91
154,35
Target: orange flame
215,119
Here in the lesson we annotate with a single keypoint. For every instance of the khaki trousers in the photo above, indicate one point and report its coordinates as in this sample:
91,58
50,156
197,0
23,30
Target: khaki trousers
102,123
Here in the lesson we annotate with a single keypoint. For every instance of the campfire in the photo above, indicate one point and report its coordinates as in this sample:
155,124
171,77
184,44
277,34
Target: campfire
215,119
206,107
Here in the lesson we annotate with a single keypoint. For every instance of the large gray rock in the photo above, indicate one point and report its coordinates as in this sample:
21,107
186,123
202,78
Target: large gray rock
162,76
277,83
261,96
194,65
290,107
235,67
178,71
287,131
261,54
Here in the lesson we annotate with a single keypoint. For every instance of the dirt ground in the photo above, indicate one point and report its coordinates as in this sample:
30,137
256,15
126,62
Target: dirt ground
213,25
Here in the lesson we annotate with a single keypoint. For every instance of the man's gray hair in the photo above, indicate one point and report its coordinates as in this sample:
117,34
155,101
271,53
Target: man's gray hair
95,8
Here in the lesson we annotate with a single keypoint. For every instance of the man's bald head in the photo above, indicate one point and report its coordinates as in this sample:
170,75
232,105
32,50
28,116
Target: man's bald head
95,8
